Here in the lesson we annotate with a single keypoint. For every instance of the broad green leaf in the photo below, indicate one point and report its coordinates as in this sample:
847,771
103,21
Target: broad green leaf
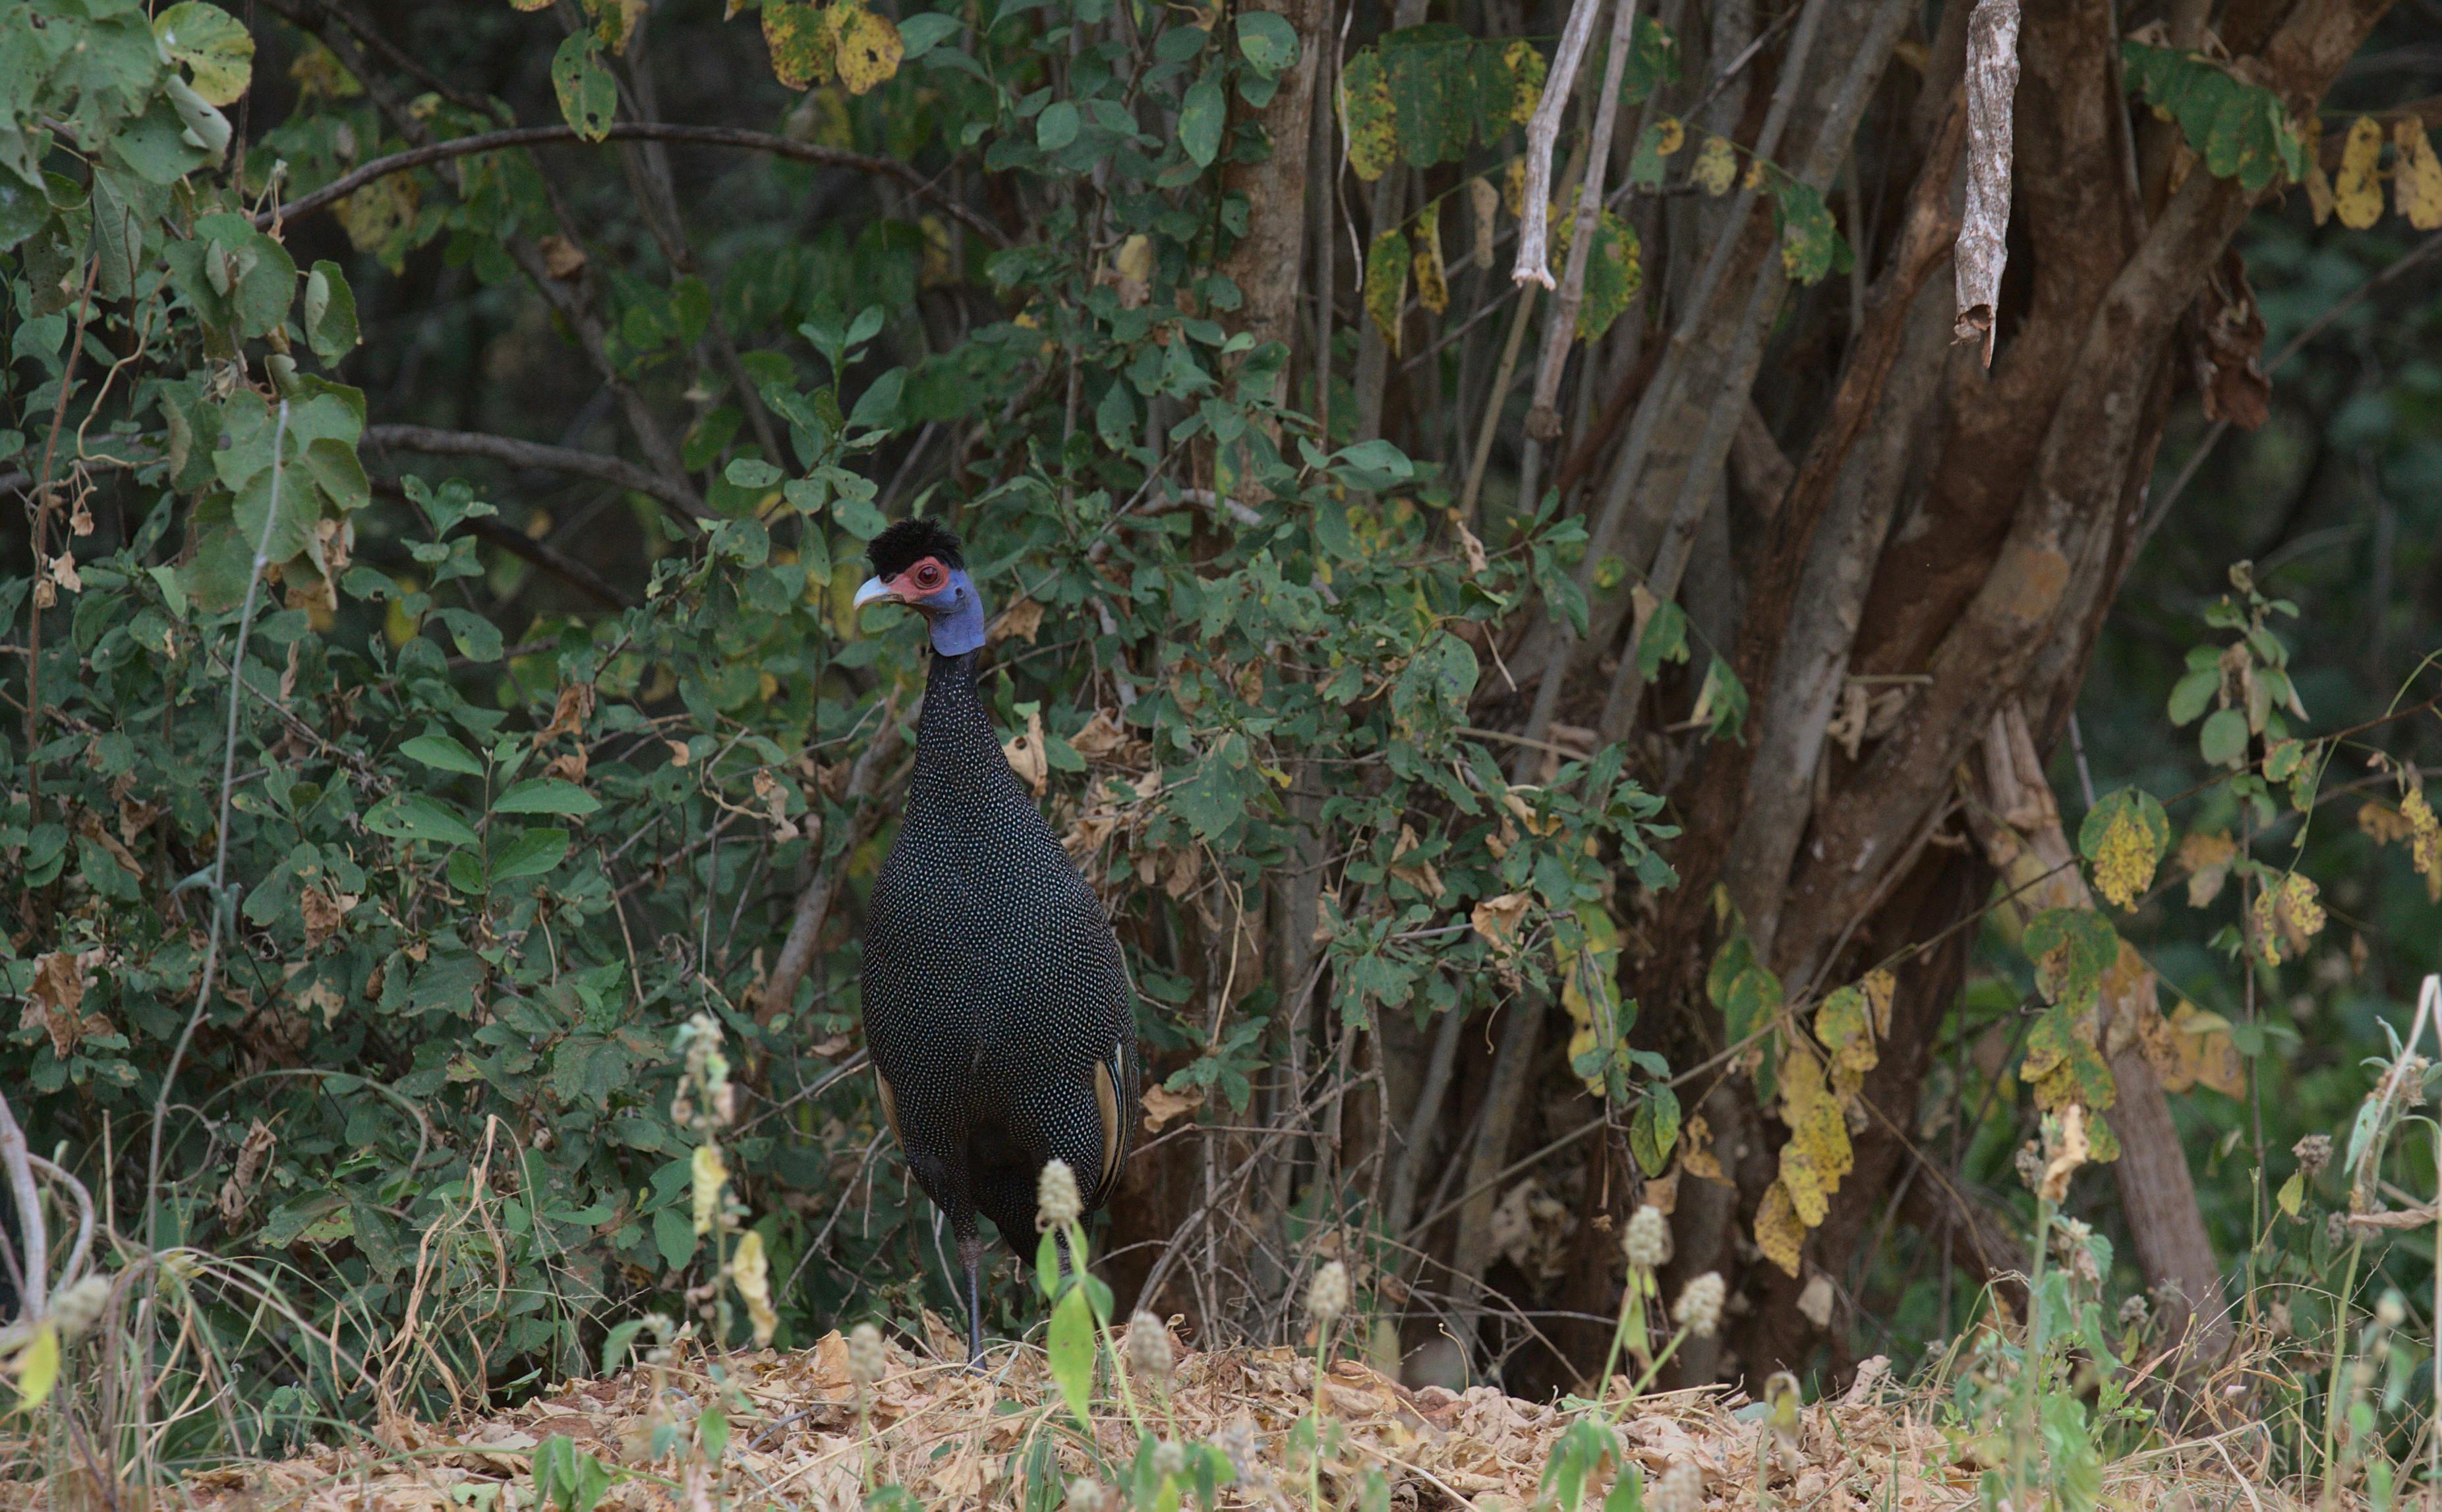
2190,695
921,34
1665,640
2071,949
1072,1345
589,97
441,752
1653,61
1057,126
413,816
1654,1132
1810,242
1614,273
478,639
1431,89
1201,117
751,473
531,854
546,795
2223,740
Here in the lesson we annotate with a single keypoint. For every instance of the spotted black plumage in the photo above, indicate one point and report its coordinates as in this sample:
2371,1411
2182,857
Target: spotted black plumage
997,1005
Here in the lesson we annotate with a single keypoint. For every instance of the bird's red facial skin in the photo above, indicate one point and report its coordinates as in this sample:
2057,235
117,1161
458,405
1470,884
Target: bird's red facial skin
922,581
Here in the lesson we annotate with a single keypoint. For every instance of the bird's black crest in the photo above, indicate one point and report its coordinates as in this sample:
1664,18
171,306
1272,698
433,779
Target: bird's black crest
910,541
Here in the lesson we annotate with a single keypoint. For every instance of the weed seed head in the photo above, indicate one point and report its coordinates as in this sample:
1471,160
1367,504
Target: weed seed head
866,1359
1085,1495
1148,1347
1326,1297
2314,1154
1681,1489
1699,1309
1169,1458
1056,1203
1646,1239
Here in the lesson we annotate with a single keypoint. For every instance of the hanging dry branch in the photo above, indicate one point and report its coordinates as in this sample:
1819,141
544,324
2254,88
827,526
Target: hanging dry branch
1991,91
1542,421
1543,134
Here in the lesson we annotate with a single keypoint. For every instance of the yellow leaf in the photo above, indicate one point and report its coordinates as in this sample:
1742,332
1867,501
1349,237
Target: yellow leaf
529,5
1527,67
38,1368
869,49
374,214
710,1175
1715,167
1819,1153
2292,1193
752,1274
2358,197
2417,176
1513,187
1673,136
800,40
1778,1233
2124,862
1432,279
1366,113
2319,188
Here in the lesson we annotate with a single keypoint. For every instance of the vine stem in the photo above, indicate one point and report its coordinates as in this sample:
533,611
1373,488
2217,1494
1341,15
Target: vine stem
220,902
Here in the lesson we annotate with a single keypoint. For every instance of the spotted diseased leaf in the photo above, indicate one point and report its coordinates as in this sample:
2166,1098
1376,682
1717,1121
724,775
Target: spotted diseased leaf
1432,278
213,45
1385,283
1267,42
1527,70
869,49
2071,949
1653,61
1778,1231
1819,1153
2063,1067
1716,165
2287,912
1847,1026
1656,142
1366,115
2357,195
1202,117
589,97
2416,176
1615,274
1810,242
801,41
2124,838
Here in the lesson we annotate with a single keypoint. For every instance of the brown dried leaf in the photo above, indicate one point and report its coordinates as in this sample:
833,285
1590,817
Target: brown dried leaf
1025,752
1161,1105
561,258
1497,920
569,713
1021,621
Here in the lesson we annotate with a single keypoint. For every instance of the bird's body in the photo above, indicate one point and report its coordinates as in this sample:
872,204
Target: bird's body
998,1007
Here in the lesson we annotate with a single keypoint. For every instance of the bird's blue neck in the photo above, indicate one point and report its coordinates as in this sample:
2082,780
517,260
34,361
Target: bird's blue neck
960,632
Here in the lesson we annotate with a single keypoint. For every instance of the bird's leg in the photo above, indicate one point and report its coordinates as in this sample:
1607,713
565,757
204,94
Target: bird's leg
970,1255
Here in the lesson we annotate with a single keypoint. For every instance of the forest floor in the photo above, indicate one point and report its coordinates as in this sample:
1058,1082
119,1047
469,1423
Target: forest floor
955,1439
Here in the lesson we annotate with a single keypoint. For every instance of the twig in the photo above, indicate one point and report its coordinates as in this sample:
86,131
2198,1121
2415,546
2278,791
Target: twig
1542,422
16,1163
490,141
534,454
815,904
1542,135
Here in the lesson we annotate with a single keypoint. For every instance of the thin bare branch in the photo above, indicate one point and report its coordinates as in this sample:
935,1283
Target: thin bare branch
1542,135
534,454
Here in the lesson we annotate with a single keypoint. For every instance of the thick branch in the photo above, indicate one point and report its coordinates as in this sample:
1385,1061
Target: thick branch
491,141
534,454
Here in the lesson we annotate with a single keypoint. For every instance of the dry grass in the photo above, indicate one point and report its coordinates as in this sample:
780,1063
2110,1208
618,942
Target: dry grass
959,1440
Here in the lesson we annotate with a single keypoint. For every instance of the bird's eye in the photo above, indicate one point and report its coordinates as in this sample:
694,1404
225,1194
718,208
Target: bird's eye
928,576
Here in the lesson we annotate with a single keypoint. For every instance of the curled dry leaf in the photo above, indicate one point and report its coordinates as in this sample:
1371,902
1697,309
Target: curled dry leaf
1025,752
569,712
1497,920
1161,1105
561,258
1021,621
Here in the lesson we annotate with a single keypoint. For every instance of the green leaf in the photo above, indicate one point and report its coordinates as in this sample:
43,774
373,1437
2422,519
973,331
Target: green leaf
921,34
1627,1492
1722,702
212,44
443,754
479,638
2223,741
531,854
546,795
413,816
1202,116
1071,1346
751,473
2071,949
1432,91
1653,61
1385,283
1057,126
1268,43
1655,1131
589,97
2190,695
1665,640
330,313
1614,273
674,1235
1810,242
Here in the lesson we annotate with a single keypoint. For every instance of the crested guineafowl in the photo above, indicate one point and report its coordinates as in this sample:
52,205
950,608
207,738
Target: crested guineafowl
997,1007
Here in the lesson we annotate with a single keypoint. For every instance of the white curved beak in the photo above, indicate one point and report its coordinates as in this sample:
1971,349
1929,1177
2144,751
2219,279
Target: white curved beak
874,590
